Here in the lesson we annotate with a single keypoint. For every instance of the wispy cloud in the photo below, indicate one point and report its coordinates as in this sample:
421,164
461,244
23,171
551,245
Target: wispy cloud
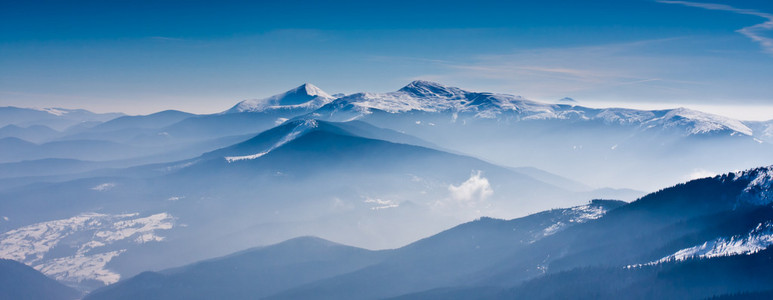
755,32
562,71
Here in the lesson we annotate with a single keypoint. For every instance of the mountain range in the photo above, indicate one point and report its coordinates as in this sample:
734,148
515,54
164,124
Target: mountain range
570,140
93,200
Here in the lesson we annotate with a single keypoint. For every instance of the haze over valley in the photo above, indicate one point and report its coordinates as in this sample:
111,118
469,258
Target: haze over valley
386,150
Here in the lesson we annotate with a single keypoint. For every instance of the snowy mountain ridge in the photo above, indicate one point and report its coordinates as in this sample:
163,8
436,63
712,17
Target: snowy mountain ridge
699,122
757,192
431,97
300,127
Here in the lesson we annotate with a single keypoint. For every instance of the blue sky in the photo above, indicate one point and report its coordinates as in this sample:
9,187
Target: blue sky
146,56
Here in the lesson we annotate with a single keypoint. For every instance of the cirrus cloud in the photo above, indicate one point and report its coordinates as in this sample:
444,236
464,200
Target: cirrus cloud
754,32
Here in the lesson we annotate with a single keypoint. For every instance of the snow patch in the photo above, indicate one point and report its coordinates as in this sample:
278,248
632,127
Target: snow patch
231,159
584,213
299,130
78,268
54,111
180,166
552,229
577,214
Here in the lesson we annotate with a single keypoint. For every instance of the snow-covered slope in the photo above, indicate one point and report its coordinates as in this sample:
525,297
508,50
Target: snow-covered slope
576,215
306,96
433,97
763,130
760,188
696,122
757,240
298,130
78,249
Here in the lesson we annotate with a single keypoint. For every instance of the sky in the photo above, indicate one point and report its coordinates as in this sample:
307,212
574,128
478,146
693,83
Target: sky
140,57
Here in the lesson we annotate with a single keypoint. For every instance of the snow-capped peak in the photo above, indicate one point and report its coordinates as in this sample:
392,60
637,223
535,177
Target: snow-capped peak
311,90
418,95
423,88
306,96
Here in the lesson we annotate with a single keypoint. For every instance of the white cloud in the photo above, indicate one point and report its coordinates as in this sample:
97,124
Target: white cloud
755,32
475,190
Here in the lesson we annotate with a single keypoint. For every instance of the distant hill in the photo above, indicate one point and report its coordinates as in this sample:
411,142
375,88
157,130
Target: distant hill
298,263
18,281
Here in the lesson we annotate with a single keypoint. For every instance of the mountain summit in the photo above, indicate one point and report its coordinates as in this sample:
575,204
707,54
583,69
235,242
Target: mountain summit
302,94
306,96
422,88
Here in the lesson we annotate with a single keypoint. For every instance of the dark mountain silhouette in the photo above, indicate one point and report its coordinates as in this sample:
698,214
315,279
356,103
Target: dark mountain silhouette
18,281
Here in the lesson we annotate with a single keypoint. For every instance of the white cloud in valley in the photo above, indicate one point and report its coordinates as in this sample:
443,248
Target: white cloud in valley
474,190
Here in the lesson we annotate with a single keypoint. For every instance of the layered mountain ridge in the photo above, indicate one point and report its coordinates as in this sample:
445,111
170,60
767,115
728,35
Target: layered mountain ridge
117,197
699,240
